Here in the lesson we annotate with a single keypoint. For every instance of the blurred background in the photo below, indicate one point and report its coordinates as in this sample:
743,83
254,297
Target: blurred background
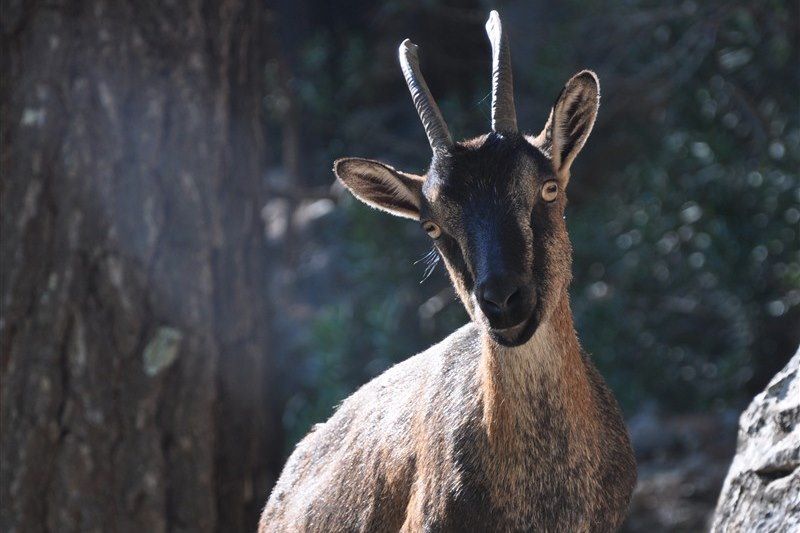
185,291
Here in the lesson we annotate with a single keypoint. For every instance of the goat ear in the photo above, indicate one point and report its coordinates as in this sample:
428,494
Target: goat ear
381,186
571,121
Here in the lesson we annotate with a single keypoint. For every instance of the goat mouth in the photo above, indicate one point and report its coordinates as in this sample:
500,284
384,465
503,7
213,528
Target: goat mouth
516,335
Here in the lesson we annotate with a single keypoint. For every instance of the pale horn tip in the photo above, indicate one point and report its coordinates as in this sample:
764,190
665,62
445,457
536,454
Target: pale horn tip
494,18
407,47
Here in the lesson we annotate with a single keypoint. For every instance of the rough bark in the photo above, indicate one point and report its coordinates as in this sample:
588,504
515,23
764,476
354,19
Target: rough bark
135,382
762,490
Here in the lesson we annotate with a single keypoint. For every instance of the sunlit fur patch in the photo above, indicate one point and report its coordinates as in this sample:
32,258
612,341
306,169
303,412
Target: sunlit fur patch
431,189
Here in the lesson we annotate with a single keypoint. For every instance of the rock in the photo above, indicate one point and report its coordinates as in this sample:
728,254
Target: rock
762,490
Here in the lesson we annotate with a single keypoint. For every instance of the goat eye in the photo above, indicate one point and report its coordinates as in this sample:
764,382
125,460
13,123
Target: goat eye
432,230
550,191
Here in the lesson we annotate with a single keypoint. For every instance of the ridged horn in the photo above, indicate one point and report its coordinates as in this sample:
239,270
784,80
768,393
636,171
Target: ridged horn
432,120
504,115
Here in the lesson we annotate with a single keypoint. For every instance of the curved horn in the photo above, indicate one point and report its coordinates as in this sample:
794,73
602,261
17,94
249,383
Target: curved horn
504,116
429,114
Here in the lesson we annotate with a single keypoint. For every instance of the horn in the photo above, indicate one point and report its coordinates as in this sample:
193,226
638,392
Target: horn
504,116
432,120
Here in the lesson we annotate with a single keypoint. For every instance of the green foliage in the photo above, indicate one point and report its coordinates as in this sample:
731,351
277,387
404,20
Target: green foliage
692,248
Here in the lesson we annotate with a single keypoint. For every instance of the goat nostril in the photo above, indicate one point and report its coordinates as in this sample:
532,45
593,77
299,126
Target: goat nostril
490,299
499,298
493,307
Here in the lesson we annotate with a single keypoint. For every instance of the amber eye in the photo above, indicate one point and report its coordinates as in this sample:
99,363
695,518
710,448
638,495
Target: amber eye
432,229
550,190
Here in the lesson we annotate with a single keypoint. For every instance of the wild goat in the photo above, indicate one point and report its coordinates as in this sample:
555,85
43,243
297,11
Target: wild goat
505,425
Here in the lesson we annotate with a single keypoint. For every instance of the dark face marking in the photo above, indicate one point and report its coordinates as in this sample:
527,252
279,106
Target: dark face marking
499,238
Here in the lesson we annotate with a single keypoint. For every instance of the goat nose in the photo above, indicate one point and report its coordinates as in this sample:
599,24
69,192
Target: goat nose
498,294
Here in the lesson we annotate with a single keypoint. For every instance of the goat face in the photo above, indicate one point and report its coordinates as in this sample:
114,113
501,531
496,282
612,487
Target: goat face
495,213
493,205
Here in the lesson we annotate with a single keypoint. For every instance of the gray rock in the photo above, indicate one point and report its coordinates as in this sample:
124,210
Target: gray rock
762,490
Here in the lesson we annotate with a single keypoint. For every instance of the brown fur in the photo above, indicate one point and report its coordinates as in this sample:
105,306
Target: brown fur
476,433
453,438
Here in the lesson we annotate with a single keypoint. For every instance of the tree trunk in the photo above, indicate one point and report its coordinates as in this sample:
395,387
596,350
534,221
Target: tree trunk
137,392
